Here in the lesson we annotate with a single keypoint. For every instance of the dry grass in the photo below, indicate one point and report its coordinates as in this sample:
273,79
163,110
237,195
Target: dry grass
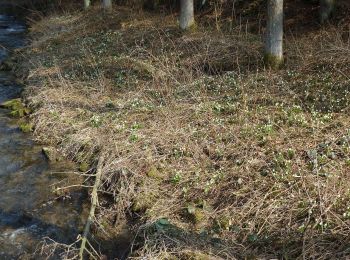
208,152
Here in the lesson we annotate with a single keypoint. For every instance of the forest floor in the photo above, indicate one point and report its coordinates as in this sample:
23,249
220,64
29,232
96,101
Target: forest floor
208,154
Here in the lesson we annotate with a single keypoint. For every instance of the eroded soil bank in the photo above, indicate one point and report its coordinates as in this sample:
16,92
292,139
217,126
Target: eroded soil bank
207,153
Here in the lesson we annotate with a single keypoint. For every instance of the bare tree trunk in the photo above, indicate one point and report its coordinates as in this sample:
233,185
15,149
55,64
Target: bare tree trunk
86,4
107,4
326,9
187,14
274,37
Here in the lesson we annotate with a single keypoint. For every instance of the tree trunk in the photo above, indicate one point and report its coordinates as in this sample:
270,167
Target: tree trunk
274,37
86,4
107,4
186,14
326,9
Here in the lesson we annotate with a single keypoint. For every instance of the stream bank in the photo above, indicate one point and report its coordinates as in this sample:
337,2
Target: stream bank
29,210
208,154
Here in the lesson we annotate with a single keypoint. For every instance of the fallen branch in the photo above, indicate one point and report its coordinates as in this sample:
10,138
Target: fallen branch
94,202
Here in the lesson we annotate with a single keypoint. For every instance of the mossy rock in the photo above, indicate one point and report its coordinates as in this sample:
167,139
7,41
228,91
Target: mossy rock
12,104
20,112
51,154
17,107
26,127
7,65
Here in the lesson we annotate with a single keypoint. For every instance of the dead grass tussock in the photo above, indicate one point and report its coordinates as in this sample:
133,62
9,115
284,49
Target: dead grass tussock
243,163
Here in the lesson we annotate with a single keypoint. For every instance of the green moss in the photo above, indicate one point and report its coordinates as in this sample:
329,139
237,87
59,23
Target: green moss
143,201
47,152
196,255
12,104
17,107
84,167
199,216
51,154
155,173
347,162
26,128
196,214
192,28
273,61
223,222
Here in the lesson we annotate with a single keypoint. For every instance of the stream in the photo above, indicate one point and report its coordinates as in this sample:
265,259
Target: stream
29,211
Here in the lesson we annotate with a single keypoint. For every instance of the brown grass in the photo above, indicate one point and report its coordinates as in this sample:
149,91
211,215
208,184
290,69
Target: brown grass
243,162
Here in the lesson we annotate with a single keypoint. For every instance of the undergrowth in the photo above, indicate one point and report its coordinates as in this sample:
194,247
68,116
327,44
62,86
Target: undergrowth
209,154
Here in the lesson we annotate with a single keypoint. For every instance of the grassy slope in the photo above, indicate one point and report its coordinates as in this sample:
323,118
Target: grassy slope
247,163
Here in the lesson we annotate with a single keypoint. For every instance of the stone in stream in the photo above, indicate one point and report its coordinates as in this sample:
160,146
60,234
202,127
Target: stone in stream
16,106
7,65
51,154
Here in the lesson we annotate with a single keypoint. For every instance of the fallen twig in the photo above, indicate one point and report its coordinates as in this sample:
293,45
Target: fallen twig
94,202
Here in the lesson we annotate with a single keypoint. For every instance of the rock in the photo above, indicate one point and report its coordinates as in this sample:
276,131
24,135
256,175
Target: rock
17,107
6,65
51,154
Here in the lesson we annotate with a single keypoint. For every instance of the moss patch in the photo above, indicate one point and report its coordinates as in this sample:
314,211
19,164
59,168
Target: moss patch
17,108
155,173
84,167
26,127
143,201
273,61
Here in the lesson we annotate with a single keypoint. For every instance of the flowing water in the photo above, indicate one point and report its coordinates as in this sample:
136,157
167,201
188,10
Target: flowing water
28,209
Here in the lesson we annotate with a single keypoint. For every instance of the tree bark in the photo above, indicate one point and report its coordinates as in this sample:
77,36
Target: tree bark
326,9
186,14
107,4
274,36
86,4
